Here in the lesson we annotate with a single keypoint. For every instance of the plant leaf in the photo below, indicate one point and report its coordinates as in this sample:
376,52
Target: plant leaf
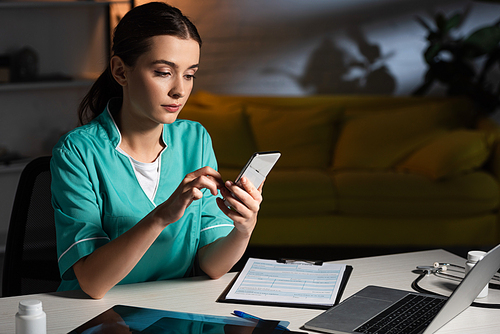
423,23
453,22
483,40
441,22
431,52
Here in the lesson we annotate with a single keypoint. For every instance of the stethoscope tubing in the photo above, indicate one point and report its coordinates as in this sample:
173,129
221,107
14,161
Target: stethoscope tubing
439,269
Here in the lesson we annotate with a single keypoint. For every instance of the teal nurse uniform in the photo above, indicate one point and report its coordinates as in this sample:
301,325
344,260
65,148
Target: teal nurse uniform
96,197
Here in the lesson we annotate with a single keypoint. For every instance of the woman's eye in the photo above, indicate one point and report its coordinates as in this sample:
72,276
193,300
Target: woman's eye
190,77
162,74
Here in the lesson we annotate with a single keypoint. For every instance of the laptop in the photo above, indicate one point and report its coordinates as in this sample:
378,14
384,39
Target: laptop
367,310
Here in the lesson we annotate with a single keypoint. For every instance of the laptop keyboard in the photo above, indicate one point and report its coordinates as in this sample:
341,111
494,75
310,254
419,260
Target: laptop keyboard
410,315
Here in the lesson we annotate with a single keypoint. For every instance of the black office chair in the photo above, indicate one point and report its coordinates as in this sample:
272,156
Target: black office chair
30,264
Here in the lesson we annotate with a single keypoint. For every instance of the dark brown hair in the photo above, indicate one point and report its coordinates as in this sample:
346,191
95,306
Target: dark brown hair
131,39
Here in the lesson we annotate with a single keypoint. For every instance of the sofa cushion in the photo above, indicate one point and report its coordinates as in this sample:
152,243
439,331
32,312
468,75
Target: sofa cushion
228,126
451,154
305,135
294,192
391,194
383,139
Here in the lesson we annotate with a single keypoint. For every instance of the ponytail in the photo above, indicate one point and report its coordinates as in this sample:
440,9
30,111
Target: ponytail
103,89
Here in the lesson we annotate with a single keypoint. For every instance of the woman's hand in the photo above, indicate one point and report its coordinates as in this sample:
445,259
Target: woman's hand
189,190
245,207
219,257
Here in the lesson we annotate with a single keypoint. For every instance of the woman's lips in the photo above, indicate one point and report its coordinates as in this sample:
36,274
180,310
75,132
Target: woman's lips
172,107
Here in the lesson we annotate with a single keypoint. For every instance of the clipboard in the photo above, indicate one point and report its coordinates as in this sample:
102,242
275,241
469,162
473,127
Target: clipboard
288,283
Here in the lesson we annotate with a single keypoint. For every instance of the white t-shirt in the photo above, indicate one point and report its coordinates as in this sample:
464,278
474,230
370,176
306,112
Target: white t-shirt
147,173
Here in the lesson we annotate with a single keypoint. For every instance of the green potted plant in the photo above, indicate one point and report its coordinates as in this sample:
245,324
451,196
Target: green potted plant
452,61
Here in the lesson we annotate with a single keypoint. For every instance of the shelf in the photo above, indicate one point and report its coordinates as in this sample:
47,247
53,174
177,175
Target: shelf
72,41
8,87
62,3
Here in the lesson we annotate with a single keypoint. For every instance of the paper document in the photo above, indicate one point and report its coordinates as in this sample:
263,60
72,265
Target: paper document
288,283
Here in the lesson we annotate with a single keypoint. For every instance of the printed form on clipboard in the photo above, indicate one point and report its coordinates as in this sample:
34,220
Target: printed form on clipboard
288,283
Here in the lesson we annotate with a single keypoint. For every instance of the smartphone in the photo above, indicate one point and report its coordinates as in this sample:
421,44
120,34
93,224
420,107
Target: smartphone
258,167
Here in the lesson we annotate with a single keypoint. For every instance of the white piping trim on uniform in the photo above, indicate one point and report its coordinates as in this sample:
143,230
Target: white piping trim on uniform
210,227
116,126
67,250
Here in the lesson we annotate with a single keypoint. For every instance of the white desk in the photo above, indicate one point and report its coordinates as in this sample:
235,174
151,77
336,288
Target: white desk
66,311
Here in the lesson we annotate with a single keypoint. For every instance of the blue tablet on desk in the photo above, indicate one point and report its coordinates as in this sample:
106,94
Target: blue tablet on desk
129,319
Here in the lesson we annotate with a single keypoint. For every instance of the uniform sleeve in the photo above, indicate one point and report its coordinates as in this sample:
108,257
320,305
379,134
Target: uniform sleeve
76,211
214,223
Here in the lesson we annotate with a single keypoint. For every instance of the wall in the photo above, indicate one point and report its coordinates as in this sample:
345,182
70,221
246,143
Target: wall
299,47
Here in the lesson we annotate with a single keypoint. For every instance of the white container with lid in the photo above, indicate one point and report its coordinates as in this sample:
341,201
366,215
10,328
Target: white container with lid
472,258
30,318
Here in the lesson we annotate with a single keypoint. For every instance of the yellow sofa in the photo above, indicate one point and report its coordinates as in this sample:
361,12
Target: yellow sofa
362,170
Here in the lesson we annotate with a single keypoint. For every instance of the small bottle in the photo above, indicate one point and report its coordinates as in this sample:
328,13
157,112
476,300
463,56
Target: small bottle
30,318
472,258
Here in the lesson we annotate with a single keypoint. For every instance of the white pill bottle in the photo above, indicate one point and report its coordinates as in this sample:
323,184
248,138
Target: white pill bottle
472,258
30,318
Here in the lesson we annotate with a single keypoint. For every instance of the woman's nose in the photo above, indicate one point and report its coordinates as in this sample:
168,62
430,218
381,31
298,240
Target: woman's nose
178,89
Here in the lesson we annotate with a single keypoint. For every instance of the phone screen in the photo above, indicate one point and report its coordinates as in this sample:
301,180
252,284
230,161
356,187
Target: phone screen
258,167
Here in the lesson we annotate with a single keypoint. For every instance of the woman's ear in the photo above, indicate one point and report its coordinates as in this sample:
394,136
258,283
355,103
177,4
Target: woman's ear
118,70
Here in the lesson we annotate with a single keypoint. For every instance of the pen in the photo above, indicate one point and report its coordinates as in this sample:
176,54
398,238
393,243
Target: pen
252,317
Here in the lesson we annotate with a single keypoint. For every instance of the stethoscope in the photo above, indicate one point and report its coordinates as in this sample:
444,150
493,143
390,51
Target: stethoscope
442,269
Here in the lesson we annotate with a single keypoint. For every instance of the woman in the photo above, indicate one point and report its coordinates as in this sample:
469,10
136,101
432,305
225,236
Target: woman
134,189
